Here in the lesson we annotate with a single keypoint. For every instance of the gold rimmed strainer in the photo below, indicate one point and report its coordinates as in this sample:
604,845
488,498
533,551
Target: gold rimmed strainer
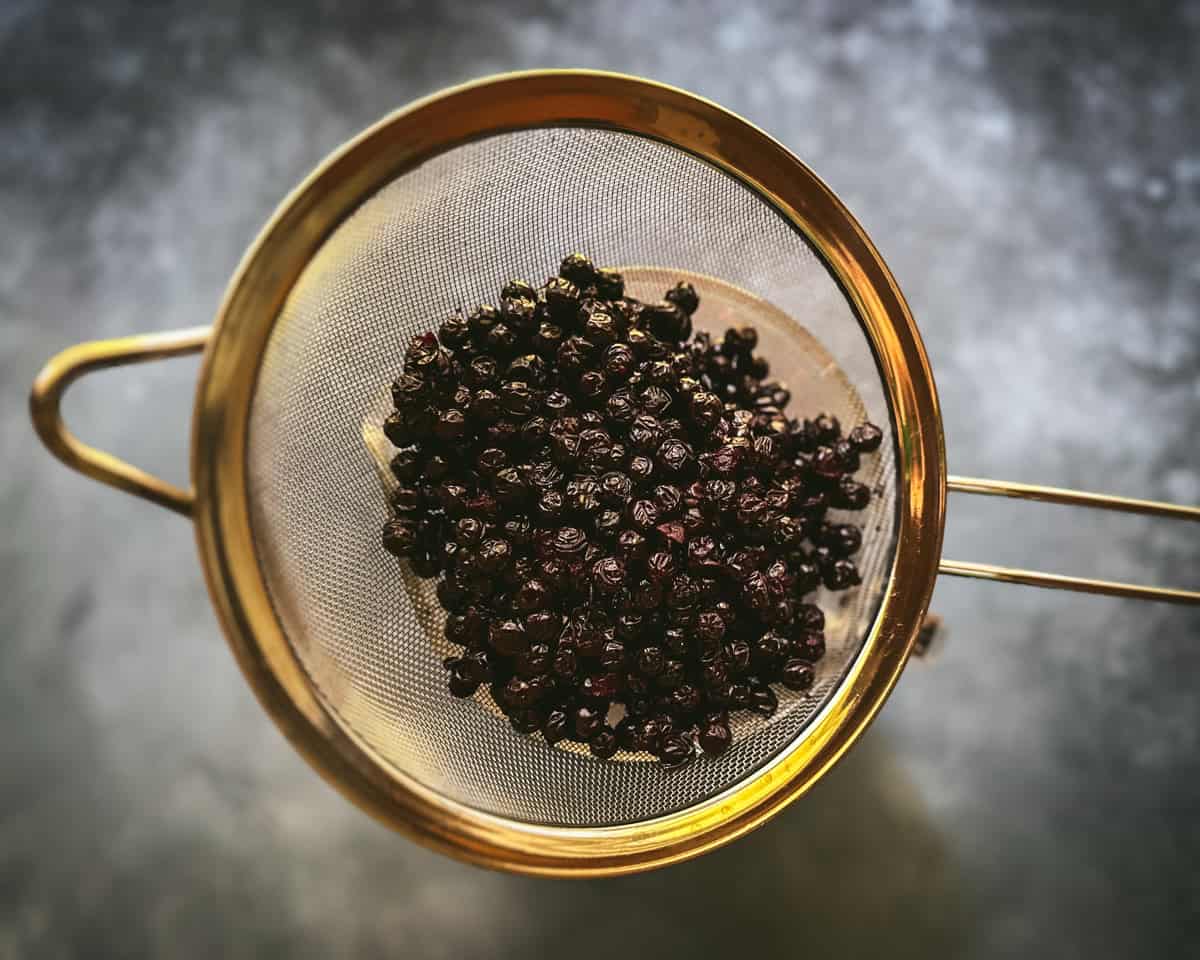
434,208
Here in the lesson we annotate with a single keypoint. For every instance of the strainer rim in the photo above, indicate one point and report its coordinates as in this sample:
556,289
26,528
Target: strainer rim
269,269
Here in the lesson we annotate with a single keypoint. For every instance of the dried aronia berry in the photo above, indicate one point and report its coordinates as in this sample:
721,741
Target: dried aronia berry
643,514
674,751
556,726
683,295
715,738
797,675
586,722
608,575
578,269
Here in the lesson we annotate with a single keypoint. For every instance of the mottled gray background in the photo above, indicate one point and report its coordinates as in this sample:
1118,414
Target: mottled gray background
1032,174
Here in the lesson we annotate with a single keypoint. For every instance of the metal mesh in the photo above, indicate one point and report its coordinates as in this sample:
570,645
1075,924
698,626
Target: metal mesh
447,235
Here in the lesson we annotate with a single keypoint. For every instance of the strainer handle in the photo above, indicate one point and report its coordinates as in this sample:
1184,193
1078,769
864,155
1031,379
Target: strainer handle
1074,498
45,401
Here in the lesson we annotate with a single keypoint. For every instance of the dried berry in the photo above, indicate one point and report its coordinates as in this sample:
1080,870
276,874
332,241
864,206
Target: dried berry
600,329
828,430
603,743
494,556
842,539
607,524
548,339
406,466
650,660
575,355
599,686
770,648
515,289
565,663
675,457
672,673
556,726
454,331
508,637
609,284
518,693
710,628
462,681
847,456
715,738
643,514
866,437
480,372
569,541
738,654
525,720
608,575
646,594
593,387
826,463
531,597
619,407
797,675
401,538
683,295
668,321
674,751
578,269
486,408
655,400
501,340
630,735
684,699
467,628
840,575
810,617
641,468
561,297
587,722
763,700
619,361
852,495
808,645
645,433
612,655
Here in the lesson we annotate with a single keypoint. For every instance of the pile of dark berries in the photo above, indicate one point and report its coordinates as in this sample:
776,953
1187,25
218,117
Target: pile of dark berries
619,512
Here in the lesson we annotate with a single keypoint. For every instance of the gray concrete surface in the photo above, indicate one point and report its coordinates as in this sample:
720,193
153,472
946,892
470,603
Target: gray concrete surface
1032,174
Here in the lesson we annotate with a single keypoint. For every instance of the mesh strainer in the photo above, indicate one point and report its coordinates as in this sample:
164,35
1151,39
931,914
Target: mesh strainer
434,208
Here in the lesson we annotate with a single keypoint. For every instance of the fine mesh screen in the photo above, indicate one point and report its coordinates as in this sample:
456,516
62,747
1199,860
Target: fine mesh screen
447,235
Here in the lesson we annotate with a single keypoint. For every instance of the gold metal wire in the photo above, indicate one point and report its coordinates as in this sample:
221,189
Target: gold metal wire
1072,498
45,403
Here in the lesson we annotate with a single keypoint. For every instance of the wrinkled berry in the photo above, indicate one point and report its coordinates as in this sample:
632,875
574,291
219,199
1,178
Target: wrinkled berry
715,738
674,751
797,675
508,637
587,722
603,743
556,726
866,437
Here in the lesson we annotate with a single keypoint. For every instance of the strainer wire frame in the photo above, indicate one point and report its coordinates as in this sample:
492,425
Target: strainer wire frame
234,346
